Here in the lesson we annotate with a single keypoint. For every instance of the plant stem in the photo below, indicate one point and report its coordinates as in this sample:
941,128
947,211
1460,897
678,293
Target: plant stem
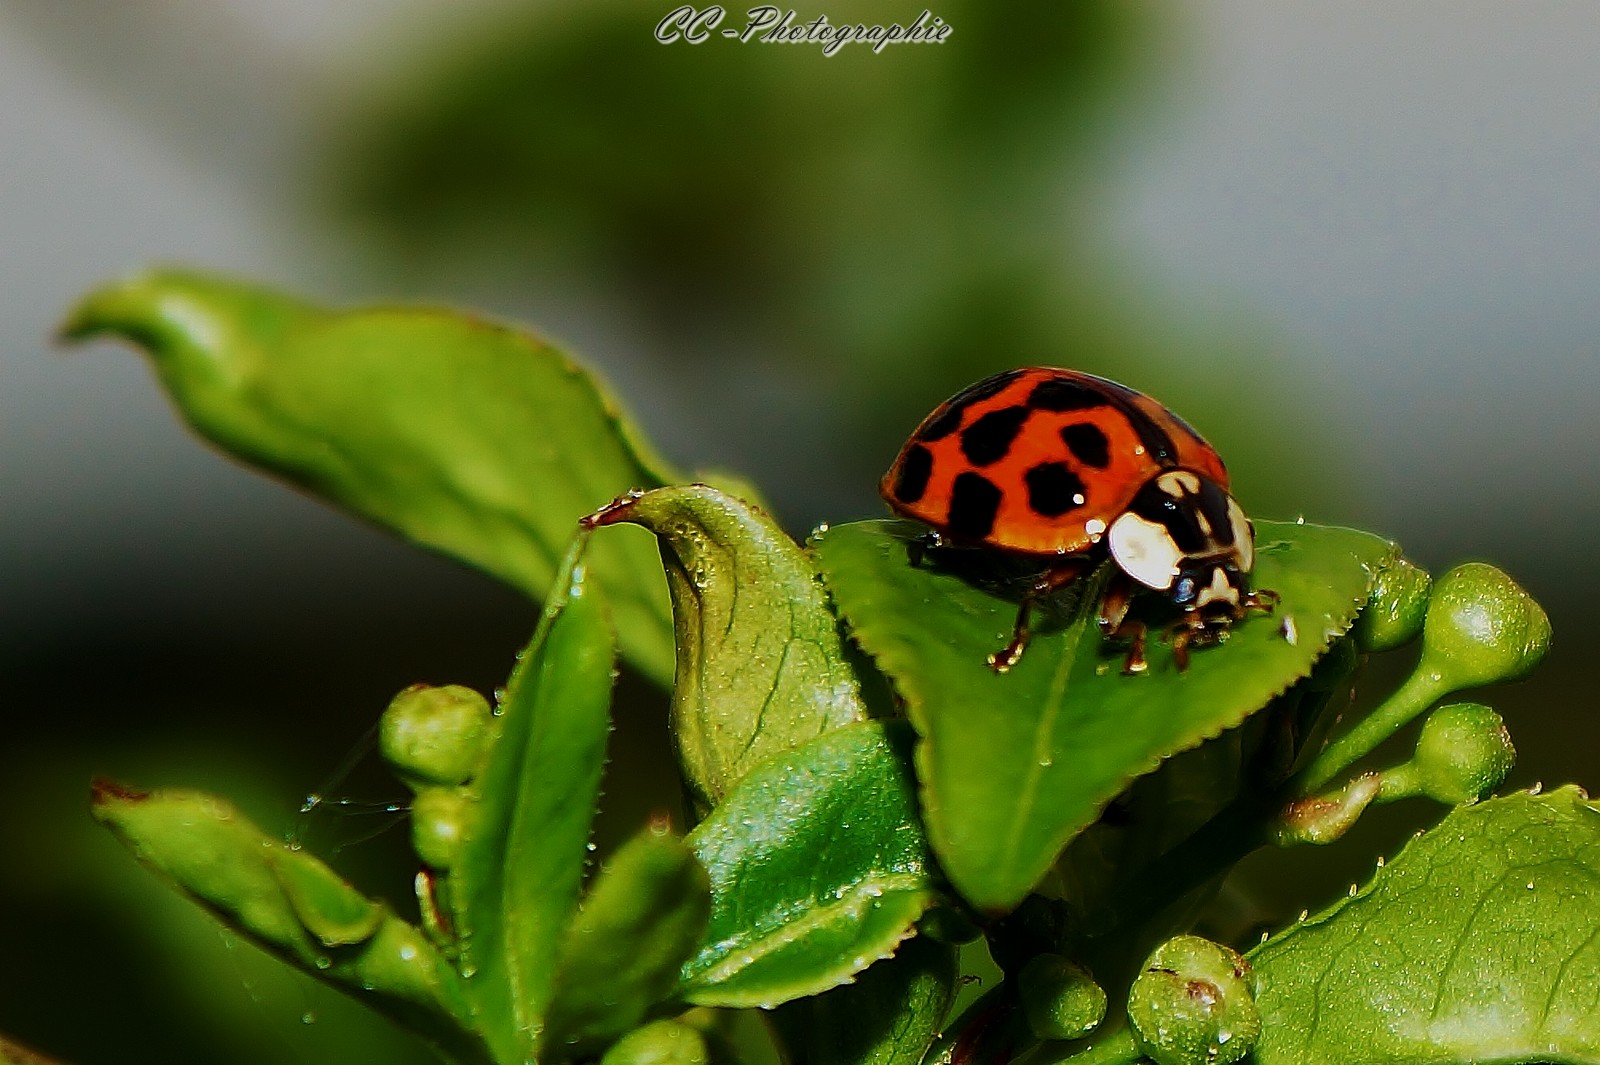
1413,697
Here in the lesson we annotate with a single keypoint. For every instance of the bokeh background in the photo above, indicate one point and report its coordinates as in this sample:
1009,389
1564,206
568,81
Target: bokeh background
1355,243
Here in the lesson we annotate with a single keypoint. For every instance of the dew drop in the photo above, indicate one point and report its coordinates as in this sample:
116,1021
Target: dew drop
1303,915
323,962
308,1017
1352,891
1380,861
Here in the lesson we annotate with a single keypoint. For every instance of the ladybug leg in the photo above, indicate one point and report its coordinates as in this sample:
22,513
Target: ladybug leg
920,548
1181,639
1114,623
1056,577
1263,599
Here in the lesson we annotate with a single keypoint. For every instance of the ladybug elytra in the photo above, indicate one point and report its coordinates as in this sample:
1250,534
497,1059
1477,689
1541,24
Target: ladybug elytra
1069,467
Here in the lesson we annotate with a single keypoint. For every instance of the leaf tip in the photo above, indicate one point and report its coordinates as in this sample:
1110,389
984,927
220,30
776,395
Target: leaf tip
615,512
105,792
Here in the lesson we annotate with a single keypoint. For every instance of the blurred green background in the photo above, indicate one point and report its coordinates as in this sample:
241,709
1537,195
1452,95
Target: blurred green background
1353,243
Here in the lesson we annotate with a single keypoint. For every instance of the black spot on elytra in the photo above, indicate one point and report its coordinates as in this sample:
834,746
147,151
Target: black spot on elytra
1053,489
911,479
1087,444
989,438
947,419
974,502
1060,393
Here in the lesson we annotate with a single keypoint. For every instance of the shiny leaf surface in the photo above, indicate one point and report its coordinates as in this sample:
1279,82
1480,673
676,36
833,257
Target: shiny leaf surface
1479,942
1014,765
644,915
461,434
295,907
514,886
818,868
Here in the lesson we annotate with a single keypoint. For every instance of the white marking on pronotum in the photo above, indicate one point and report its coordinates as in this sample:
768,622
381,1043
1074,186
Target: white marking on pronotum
1178,483
1145,551
1244,539
1218,591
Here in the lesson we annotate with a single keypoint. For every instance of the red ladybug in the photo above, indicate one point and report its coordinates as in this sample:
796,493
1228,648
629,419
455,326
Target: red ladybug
1067,467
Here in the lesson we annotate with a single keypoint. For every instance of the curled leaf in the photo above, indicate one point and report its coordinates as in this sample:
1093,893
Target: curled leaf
761,667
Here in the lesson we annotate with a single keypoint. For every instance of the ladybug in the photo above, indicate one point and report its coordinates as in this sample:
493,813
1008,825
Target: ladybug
1067,467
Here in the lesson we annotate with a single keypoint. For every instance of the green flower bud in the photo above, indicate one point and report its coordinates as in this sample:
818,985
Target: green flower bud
1482,628
1463,754
1394,615
659,1043
1325,818
1194,1004
434,735
1060,998
439,821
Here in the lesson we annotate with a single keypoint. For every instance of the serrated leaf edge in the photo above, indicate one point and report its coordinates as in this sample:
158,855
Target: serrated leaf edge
703,988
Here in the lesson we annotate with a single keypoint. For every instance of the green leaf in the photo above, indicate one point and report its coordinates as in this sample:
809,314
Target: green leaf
513,887
1015,765
818,868
761,666
466,436
890,1015
643,917
1479,942
294,907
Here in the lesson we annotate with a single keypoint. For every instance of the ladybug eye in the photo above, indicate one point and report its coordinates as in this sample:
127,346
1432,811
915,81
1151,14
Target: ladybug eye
1244,537
1145,550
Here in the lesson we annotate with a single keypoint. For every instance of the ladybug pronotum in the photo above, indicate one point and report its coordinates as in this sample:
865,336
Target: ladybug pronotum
1068,467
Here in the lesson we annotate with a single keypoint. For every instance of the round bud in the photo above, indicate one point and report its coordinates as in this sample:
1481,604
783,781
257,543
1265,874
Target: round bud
1463,754
1394,615
439,821
1194,1005
1060,998
434,735
663,1042
946,924
1482,628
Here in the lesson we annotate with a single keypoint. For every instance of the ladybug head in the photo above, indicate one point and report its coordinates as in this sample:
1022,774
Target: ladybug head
1184,535
1210,585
